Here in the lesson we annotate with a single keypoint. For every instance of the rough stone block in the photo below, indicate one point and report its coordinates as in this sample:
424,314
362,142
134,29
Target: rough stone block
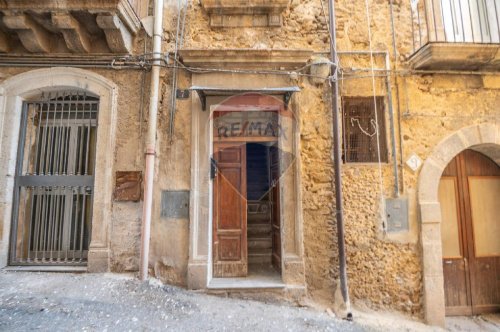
429,180
434,300
430,212
449,148
490,133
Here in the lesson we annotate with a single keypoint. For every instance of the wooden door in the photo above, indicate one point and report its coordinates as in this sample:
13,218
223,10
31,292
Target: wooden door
469,194
230,211
274,165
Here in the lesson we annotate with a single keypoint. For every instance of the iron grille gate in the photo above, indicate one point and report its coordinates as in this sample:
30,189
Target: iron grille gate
54,180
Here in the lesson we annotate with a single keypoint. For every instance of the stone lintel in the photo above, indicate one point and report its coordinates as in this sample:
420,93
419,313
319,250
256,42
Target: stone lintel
245,58
75,35
457,56
119,38
33,36
245,13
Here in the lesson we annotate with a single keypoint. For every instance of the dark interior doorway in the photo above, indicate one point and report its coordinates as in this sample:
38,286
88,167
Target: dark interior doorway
263,228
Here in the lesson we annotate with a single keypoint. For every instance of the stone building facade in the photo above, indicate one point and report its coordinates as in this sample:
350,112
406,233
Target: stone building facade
432,97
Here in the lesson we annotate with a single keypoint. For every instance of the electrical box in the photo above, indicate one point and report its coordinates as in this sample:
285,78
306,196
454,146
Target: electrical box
175,204
396,212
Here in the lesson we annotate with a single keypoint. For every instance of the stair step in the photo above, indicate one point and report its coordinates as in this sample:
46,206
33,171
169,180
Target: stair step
259,243
260,256
258,218
261,259
259,230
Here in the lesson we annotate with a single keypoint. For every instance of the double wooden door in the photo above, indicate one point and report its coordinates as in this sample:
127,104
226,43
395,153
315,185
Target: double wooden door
469,194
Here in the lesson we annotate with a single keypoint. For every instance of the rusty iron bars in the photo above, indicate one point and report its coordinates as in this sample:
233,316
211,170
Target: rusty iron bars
54,180
455,21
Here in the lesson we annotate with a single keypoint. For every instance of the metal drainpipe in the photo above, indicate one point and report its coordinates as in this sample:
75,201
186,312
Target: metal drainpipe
151,139
337,162
391,122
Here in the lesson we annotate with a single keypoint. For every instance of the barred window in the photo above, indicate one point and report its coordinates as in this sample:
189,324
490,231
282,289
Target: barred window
360,130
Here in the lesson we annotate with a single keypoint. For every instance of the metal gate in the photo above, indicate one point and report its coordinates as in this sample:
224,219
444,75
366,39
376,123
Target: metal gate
54,180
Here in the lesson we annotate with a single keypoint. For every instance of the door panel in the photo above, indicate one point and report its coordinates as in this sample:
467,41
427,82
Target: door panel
230,216
472,281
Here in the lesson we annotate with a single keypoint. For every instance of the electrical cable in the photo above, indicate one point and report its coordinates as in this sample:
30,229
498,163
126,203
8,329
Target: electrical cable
372,64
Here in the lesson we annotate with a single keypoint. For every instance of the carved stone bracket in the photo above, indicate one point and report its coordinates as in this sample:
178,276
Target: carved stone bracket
76,26
75,35
33,36
118,36
4,42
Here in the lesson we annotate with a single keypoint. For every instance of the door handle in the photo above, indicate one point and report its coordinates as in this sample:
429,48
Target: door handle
448,262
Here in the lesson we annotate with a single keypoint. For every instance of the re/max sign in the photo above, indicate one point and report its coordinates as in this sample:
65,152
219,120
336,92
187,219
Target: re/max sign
250,129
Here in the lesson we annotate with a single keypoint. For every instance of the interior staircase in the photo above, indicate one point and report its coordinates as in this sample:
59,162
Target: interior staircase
259,208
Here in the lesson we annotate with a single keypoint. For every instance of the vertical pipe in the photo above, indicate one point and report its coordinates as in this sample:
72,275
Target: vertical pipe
337,162
391,122
151,139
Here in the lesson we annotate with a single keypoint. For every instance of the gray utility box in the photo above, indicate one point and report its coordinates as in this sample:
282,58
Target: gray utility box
396,212
175,204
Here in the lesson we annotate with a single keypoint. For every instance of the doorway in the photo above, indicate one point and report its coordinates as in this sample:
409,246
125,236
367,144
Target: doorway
246,227
469,194
54,181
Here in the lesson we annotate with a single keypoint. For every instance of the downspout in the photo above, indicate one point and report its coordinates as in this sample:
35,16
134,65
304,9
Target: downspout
151,139
337,163
391,123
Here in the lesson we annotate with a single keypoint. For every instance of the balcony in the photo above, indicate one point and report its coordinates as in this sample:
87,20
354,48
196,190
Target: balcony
455,35
70,26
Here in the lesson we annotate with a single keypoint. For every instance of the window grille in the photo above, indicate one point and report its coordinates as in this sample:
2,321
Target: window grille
361,128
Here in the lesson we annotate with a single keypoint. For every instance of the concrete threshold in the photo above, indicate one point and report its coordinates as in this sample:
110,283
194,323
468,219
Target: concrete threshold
246,283
34,268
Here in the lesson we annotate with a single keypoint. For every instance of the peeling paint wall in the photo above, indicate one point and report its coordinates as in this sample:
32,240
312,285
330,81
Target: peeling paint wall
385,270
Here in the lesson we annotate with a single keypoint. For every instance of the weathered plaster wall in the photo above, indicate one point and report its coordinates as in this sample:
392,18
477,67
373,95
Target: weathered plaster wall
125,226
384,270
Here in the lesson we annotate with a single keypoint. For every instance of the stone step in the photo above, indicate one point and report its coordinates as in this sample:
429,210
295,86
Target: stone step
262,256
253,218
259,243
259,230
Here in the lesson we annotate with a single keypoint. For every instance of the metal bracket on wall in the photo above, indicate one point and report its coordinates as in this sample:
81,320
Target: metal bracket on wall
182,93
204,92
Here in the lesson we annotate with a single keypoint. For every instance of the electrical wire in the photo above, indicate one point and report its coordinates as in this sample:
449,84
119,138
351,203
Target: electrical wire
372,64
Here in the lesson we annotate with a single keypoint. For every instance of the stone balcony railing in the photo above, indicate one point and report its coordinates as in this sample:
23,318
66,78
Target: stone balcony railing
455,35
70,26
245,13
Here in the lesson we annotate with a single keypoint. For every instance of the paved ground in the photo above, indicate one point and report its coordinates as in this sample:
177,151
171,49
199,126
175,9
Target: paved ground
110,302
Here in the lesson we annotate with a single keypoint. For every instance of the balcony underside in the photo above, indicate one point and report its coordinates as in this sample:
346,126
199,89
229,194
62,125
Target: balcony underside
70,26
457,56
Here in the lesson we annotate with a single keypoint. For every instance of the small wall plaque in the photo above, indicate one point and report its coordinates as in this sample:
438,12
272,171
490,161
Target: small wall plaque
128,187
175,204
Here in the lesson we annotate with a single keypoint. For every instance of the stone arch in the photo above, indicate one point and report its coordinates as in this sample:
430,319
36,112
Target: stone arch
484,138
30,84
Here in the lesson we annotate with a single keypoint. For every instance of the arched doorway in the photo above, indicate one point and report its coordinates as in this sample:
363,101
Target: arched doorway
483,137
469,195
54,181
27,87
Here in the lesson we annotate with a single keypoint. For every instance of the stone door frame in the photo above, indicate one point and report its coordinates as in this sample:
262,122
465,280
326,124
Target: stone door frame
200,251
25,86
484,138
